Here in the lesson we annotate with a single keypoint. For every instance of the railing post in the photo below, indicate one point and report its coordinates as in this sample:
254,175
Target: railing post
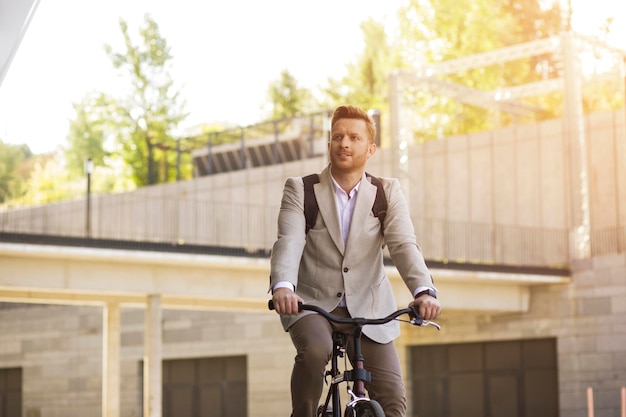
209,147
275,154
242,151
88,171
574,131
589,402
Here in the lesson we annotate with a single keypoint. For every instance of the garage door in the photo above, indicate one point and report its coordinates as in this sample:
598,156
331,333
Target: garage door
491,379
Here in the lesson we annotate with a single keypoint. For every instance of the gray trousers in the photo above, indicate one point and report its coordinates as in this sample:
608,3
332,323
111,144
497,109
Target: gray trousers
312,338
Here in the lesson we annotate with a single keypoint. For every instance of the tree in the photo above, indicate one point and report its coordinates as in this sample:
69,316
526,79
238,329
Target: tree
50,181
13,170
439,30
287,98
86,136
365,82
145,118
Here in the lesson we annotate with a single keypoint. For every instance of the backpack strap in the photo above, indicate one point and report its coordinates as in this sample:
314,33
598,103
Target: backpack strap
310,202
379,208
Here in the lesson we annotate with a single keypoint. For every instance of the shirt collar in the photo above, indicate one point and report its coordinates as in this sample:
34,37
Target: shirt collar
338,188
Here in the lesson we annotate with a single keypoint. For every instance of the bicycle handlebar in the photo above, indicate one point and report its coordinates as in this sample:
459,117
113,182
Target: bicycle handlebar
415,318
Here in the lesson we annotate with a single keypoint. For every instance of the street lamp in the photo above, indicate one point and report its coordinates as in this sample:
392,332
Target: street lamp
88,171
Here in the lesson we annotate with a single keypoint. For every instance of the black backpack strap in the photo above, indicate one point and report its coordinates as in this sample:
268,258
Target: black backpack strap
379,209
310,202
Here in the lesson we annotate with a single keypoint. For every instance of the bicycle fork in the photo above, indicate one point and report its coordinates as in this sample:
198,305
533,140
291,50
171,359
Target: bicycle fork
359,375
332,406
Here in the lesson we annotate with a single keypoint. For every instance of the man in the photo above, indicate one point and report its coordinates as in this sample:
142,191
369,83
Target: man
338,266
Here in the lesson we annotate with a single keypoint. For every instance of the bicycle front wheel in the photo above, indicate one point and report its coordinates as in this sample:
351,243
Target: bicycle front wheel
369,408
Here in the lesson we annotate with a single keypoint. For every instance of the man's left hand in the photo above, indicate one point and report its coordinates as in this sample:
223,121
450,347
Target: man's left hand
427,306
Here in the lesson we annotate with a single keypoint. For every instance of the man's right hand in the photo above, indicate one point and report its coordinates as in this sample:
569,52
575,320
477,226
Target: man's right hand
286,301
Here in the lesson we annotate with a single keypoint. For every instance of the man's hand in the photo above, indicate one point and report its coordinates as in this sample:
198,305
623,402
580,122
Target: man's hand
427,306
286,301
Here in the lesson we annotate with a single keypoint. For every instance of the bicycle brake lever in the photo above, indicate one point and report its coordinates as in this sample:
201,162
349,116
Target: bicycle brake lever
432,323
418,321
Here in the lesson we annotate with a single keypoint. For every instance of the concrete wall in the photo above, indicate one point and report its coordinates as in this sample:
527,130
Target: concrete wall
60,351
503,196
59,347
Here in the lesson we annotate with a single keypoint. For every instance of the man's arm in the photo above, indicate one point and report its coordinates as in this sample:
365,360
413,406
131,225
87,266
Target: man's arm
288,248
407,255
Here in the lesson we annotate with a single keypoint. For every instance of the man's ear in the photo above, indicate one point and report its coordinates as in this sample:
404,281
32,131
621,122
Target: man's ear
372,149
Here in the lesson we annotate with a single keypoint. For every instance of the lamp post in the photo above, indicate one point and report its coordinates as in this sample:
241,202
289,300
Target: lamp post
88,171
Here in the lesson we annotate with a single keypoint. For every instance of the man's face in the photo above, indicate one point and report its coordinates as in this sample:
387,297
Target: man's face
349,147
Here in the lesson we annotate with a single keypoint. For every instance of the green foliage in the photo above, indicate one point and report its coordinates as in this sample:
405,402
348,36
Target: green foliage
128,138
86,136
49,182
365,83
440,30
287,98
14,170
145,118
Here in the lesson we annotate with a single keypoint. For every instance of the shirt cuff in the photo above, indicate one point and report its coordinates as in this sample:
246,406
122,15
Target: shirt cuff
420,289
283,284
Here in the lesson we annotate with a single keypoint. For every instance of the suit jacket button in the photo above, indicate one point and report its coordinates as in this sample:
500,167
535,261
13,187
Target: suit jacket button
339,294
345,270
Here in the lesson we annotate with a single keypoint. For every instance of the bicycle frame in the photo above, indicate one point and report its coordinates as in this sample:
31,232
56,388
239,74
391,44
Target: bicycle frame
358,374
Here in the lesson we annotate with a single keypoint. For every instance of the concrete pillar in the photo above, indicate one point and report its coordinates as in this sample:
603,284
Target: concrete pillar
152,380
398,135
580,229
111,361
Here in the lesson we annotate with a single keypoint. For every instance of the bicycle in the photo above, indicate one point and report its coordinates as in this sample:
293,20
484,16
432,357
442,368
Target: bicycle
360,405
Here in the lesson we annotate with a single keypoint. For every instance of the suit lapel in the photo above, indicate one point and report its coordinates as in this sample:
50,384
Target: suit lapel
325,194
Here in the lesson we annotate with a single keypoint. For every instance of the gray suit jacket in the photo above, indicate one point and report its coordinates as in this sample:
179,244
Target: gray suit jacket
323,269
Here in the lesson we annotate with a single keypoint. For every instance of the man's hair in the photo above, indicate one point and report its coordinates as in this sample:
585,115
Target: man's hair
349,111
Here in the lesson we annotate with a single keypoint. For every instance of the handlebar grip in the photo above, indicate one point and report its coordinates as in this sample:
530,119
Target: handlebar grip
270,305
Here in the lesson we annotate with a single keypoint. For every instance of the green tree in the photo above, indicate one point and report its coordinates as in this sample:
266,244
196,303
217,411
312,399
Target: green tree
365,82
287,98
439,30
86,136
145,119
50,181
13,170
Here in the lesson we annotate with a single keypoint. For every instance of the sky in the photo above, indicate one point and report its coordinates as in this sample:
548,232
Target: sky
225,54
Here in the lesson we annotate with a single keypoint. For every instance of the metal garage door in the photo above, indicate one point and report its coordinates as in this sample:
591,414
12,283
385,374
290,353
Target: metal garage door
492,379
205,387
11,392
